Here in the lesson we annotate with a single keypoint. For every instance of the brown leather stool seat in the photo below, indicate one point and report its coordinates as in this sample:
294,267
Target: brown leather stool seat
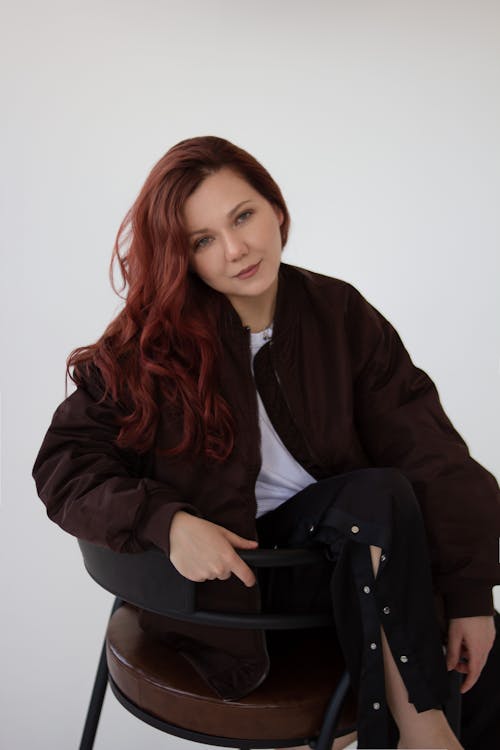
162,682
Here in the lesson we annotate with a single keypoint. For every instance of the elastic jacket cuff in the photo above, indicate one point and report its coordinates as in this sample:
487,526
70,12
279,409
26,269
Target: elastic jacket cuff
470,602
155,528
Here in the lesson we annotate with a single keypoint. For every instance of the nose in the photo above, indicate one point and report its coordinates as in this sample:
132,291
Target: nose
234,246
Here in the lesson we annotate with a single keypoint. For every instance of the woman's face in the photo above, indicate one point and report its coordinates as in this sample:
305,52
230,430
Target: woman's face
231,227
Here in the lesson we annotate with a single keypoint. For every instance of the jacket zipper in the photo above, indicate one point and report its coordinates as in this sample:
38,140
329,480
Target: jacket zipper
260,631
311,452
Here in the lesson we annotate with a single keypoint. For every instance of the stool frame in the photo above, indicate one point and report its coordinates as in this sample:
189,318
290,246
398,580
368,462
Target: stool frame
149,580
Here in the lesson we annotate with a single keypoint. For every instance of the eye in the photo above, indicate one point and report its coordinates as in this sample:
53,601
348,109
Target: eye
245,213
198,243
201,242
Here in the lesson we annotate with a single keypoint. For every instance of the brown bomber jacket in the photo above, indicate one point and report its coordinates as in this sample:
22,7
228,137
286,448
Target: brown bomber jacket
342,393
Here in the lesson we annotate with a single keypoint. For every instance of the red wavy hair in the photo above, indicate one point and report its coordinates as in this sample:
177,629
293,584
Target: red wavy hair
160,343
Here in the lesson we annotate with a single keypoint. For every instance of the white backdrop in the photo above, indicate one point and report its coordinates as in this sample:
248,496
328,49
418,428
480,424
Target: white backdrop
380,122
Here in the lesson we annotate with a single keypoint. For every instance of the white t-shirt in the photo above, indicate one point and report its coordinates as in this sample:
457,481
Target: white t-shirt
280,476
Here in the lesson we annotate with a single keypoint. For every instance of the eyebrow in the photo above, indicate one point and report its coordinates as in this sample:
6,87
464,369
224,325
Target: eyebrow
231,212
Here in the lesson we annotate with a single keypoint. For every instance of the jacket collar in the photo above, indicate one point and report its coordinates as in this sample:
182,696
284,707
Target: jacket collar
229,322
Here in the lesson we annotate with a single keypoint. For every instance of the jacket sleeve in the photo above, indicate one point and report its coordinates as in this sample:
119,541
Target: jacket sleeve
91,488
402,423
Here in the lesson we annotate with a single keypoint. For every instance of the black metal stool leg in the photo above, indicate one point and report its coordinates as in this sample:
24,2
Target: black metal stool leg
98,692
332,714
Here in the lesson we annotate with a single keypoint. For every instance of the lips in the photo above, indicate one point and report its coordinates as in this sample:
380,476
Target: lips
247,269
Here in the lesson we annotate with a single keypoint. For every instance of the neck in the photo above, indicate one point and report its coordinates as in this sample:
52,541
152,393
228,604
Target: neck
256,313
258,328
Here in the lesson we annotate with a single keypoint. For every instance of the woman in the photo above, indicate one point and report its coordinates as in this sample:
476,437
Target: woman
234,396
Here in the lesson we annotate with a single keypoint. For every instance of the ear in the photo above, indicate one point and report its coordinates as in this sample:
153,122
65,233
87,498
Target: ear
279,213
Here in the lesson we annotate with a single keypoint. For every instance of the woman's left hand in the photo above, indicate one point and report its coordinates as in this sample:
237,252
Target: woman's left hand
469,638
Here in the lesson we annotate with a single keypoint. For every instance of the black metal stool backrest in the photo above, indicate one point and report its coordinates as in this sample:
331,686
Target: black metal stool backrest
150,581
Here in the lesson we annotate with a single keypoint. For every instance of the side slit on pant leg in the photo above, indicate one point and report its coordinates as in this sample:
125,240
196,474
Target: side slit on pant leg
346,514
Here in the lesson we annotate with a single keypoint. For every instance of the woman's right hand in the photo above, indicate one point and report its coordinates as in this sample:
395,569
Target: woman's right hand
201,550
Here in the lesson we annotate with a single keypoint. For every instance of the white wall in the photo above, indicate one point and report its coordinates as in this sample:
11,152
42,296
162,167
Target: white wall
380,122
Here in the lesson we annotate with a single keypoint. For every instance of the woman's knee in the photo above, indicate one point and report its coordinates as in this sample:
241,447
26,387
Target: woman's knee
390,479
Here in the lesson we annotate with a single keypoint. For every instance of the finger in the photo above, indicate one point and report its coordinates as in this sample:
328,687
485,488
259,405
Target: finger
220,572
243,572
473,667
239,541
469,681
452,652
